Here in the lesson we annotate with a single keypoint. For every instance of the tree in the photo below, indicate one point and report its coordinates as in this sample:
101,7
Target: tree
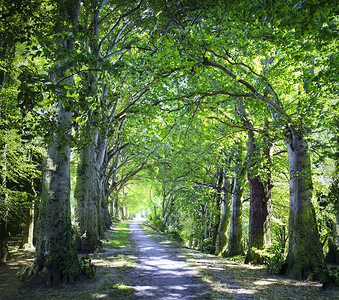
221,238
235,243
260,192
55,249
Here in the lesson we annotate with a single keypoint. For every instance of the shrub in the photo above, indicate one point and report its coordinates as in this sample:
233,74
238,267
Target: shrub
87,267
275,258
334,273
156,222
206,245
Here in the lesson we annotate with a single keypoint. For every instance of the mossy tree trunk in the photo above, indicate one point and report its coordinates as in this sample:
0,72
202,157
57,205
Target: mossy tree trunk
235,245
221,239
28,231
90,195
305,257
30,220
55,248
216,209
333,244
260,199
116,207
4,212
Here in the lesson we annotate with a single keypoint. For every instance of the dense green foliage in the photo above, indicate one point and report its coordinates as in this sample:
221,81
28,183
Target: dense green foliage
180,100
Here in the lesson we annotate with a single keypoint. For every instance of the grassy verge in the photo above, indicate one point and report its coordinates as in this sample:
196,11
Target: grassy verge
114,266
120,238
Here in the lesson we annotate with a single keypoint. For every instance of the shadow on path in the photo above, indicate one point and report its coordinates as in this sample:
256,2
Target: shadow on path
160,275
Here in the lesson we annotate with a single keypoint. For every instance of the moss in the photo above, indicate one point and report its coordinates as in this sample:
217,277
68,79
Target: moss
305,258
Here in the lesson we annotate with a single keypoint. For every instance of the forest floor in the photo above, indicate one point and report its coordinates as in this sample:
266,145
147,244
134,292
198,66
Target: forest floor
138,263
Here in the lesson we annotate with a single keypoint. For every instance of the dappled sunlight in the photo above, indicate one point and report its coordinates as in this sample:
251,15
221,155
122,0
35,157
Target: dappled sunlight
160,273
285,281
147,270
9,270
262,282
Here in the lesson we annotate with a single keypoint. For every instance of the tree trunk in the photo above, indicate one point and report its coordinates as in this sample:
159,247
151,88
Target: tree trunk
116,207
106,217
207,221
55,248
333,245
216,210
260,201
3,218
90,195
221,239
235,245
88,208
3,240
122,212
28,232
305,258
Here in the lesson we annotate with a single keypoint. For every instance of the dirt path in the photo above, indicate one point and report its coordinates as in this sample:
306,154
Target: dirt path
151,266
9,280
160,274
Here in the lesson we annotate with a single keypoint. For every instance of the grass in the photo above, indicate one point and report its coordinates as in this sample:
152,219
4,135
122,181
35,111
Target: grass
120,238
121,291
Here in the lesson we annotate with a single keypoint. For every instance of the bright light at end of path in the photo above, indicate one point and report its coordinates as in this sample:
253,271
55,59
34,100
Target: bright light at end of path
138,217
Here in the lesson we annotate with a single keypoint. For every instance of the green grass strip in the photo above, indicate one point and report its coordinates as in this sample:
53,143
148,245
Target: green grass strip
120,238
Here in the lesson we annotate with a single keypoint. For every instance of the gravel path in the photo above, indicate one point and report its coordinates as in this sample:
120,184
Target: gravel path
161,274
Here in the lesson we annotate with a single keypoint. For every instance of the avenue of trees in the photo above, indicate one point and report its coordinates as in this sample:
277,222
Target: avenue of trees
217,119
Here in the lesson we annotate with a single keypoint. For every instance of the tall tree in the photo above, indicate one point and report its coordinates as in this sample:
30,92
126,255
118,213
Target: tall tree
235,242
221,239
55,248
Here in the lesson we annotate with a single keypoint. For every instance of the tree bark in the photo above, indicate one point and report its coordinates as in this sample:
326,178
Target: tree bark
90,195
260,200
55,248
221,238
116,207
3,218
3,240
332,255
305,258
216,209
235,245
28,232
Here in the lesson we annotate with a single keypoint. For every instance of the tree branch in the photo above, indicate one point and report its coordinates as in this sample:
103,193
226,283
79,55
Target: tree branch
255,94
235,126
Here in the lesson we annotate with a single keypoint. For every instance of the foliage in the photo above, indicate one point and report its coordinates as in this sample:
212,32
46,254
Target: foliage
273,256
334,273
163,82
156,222
237,258
87,267
121,291
64,262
